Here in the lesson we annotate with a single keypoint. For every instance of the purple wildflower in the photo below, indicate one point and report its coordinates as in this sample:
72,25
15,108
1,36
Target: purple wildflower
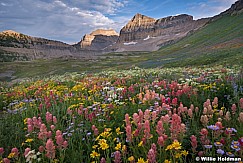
235,147
213,127
231,130
218,144
230,154
235,142
220,151
208,146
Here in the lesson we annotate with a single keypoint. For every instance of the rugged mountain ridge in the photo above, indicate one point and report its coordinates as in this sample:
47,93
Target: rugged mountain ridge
236,8
142,30
22,47
98,39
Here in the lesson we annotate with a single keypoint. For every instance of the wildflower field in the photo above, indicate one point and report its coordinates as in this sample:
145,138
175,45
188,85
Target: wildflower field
137,115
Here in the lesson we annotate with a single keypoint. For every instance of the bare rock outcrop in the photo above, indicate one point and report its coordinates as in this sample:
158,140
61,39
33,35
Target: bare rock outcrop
141,27
98,39
17,46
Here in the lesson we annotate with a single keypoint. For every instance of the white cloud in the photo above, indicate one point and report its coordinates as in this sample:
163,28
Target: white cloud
209,8
60,19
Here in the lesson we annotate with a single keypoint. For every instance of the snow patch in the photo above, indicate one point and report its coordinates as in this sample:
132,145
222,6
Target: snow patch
147,38
130,43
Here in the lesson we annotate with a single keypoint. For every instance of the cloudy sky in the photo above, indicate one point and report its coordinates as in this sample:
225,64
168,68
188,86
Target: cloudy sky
69,20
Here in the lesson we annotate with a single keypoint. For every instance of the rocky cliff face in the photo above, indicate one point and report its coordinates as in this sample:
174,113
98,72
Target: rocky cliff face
138,27
17,46
141,27
98,39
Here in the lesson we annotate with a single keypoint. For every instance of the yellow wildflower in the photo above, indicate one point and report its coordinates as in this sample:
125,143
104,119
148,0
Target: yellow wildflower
28,140
25,121
105,134
118,131
184,152
140,144
176,145
98,137
101,141
169,147
94,154
167,161
124,148
141,160
11,155
55,160
118,146
178,155
108,129
130,158
95,146
104,146
112,112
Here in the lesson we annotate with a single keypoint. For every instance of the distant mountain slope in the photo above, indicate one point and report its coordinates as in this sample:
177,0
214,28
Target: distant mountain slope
17,46
221,40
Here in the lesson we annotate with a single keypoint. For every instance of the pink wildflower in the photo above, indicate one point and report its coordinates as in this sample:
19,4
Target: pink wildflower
151,156
233,108
161,141
190,113
59,141
165,119
6,160
41,149
175,127
140,114
117,157
30,128
50,149
154,116
65,144
48,117
159,128
193,143
1,151
54,119
135,118
127,120
26,151
53,127
102,160
129,133
146,114
241,103
15,151
147,134
240,119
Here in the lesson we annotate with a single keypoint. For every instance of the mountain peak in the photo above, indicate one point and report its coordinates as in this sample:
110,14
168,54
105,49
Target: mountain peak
11,32
236,8
139,16
105,32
